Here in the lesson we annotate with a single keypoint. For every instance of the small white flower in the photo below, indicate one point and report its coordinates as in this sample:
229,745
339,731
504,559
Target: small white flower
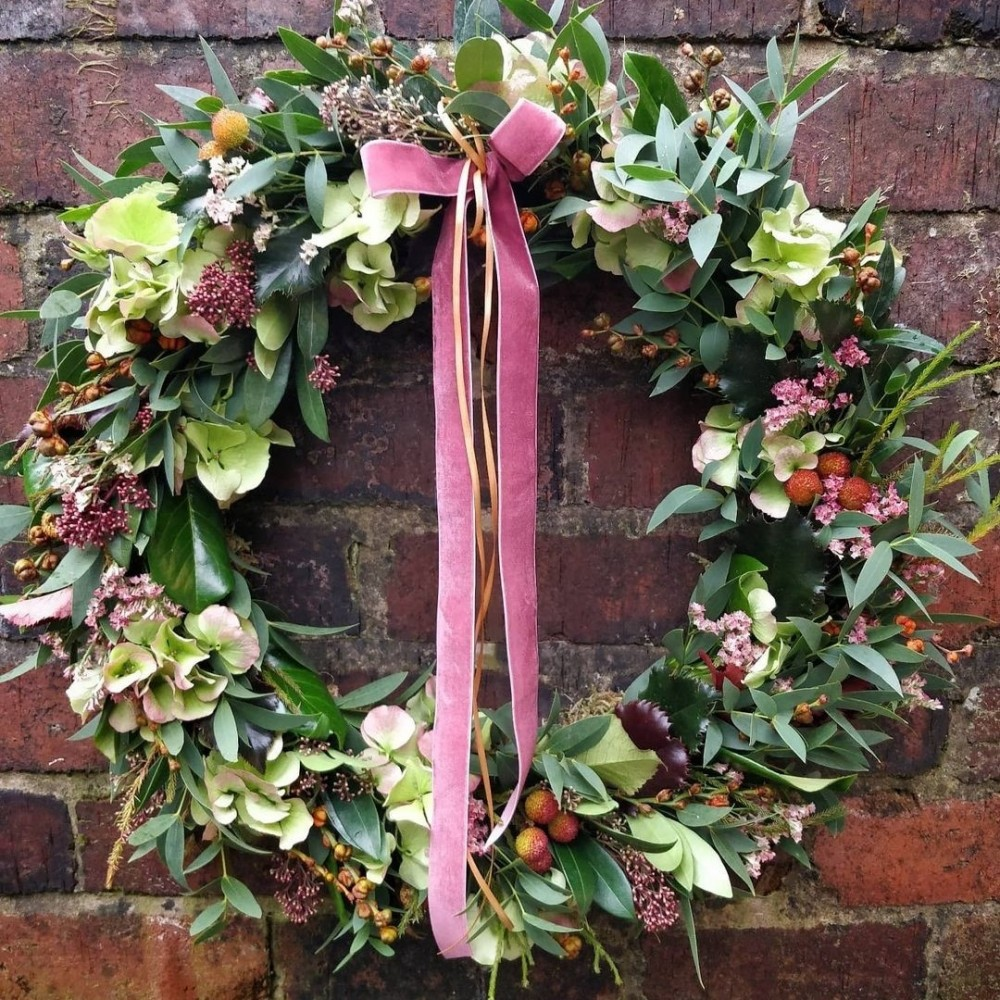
308,251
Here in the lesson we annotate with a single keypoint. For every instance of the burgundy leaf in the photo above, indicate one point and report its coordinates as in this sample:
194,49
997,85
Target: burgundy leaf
647,725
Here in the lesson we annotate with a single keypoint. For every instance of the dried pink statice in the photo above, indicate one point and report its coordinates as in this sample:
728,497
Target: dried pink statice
298,893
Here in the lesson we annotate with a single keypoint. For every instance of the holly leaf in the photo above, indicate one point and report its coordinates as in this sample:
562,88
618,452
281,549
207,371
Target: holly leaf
796,566
188,554
746,376
280,268
687,702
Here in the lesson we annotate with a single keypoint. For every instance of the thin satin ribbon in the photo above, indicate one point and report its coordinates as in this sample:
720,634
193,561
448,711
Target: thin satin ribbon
517,147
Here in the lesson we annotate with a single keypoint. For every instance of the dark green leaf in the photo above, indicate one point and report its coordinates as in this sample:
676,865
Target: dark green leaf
746,376
188,554
657,88
253,178
13,521
529,14
280,268
220,79
305,692
687,499
312,406
612,892
371,694
209,922
359,823
315,179
687,702
485,108
796,566
261,395
316,61
478,60
578,736
224,730
239,896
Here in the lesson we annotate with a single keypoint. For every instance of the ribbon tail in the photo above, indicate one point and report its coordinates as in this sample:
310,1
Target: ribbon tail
456,614
517,420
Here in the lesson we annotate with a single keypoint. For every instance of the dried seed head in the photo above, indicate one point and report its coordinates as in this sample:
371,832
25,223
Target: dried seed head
711,55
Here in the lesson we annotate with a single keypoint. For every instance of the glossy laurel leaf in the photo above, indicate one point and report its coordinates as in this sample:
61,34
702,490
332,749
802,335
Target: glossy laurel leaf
188,550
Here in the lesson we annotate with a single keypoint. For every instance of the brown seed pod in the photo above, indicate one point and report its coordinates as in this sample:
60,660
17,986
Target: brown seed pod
96,362
41,424
171,343
420,64
380,47
25,571
49,561
37,535
51,447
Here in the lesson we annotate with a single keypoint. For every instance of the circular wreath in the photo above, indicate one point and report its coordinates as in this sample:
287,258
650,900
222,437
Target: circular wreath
198,301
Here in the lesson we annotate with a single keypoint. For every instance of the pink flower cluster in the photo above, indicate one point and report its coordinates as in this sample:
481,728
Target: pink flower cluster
801,397
670,221
738,648
788,822
324,375
122,599
882,507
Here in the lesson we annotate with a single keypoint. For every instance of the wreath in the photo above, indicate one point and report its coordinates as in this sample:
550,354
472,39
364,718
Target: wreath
202,297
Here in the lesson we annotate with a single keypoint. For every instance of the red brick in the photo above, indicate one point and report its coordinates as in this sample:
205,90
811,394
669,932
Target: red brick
382,448
306,567
714,19
97,833
960,594
222,18
927,139
38,721
911,25
18,395
36,844
116,954
951,276
415,973
79,109
970,959
13,332
917,742
591,589
638,448
942,852
570,307
862,962
32,19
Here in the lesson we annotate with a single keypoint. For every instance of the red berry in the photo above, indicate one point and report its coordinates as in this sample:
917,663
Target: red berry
541,806
532,847
803,487
855,493
833,463
564,828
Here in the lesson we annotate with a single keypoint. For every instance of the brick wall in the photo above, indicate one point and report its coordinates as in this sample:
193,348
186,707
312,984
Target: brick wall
904,904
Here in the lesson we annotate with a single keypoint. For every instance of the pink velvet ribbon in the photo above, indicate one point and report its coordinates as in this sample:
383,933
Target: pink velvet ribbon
518,146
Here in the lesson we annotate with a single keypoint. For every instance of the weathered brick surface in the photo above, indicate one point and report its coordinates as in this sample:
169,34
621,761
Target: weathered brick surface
234,19
941,852
970,959
626,18
591,589
37,721
912,24
382,449
116,954
36,844
917,742
925,138
91,102
13,332
306,567
638,448
416,972
860,962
